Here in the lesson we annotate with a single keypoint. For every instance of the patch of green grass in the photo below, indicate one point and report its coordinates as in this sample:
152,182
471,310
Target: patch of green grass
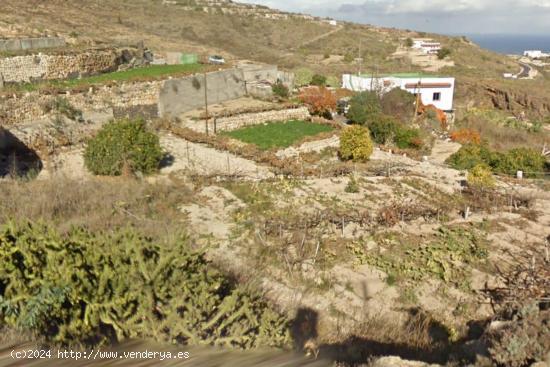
144,73
278,134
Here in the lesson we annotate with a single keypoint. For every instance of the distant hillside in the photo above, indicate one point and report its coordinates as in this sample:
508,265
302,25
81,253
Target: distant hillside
240,31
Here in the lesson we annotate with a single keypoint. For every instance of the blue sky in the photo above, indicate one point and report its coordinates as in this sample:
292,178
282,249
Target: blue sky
441,16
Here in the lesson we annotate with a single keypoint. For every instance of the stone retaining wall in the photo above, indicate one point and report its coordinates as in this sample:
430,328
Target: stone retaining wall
30,68
247,119
30,107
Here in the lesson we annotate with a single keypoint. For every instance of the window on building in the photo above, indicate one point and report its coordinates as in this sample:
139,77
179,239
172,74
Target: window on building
437,96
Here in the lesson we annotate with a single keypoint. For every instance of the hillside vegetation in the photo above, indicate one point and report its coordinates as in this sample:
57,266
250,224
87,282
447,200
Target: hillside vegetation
243,32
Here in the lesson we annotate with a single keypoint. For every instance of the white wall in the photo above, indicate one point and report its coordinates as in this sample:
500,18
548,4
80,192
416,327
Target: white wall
384,85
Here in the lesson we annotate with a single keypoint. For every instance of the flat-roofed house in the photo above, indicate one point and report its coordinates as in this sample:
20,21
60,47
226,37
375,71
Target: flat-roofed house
435,90
427,46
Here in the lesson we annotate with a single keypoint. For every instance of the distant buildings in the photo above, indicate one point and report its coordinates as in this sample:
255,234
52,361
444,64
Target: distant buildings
426,45
437,91
535,54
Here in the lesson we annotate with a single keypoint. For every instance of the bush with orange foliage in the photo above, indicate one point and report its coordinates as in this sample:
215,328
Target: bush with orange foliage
319,100
466,136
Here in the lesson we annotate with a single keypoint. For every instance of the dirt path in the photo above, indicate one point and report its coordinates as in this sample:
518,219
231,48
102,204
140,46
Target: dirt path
312,146
203,160
445,178
318,38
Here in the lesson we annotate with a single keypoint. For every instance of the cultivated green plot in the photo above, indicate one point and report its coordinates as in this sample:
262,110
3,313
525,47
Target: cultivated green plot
138,74
278,134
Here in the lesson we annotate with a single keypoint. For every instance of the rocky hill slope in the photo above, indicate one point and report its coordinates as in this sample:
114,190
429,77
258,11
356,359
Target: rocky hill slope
240,31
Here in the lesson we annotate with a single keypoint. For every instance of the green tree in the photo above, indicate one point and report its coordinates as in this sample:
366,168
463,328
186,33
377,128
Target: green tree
443,53
363,107
319,80
409,42
383,128
398,103
303,76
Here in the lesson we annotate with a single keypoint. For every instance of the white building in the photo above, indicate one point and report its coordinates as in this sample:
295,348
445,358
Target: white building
427,46
535,54
433,90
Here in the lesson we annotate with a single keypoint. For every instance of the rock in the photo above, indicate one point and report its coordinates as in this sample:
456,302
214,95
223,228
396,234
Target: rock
398,362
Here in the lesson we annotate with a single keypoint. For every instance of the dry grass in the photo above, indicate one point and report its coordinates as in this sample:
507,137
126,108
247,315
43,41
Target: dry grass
98,204
502,137
419,337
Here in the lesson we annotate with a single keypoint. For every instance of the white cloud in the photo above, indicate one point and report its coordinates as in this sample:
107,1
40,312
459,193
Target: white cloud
448,16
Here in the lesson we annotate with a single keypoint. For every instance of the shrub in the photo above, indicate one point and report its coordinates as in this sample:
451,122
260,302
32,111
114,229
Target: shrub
121,145
443,53
353,186
471,155
334,81
280,90
363,106
356,144
319,100
349,57
408,138
481,177
530,161
383,128
303,76
522,339
409,42
398,103
88,288
466,136
319,80
63,107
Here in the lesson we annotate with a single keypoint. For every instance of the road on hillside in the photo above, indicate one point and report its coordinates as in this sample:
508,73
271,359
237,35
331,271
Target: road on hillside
318,38
525,70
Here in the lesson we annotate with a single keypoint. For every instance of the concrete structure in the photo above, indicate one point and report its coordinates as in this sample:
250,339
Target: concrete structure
427,46
266,74
260,77
20,44
178,96
535,54
433,90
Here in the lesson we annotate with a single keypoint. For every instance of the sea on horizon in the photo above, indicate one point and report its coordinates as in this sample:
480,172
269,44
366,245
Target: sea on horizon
511,43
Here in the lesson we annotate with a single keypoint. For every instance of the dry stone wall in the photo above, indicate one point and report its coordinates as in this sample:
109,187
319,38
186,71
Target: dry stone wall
29,68
31,106
248,119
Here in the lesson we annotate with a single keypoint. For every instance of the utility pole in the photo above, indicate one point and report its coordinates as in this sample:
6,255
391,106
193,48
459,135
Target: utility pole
418,98
206,102
360,57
